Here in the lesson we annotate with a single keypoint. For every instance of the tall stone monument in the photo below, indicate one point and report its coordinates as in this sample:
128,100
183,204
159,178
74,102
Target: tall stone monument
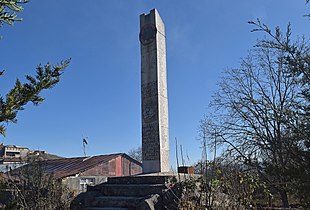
155,140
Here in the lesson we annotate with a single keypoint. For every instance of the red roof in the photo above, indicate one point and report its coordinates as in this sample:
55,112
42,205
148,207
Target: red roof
65,167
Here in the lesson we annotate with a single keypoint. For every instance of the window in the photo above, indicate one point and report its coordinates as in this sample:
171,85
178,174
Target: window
86,181
12,154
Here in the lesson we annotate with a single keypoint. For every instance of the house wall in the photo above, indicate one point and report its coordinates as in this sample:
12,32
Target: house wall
99,170
112,167
78,184
130,168
119,166
135,168
15,151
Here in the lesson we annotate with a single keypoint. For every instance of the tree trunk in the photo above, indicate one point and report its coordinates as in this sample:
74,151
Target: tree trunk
284,199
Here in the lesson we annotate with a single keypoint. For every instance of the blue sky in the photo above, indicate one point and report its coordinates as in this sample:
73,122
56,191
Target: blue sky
99,94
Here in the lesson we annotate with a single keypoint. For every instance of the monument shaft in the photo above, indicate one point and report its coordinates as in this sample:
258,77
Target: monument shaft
155,143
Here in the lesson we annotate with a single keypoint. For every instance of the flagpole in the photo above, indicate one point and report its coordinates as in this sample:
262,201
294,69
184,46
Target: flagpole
84,146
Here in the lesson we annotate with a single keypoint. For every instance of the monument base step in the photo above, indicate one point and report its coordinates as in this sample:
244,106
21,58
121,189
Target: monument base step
116,201
134,190
125,193
141,179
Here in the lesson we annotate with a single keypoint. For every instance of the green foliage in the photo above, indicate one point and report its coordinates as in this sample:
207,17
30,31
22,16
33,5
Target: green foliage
46,76
9,10
192,194
15,100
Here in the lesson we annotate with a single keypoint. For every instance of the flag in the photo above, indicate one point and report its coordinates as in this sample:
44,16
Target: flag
85,141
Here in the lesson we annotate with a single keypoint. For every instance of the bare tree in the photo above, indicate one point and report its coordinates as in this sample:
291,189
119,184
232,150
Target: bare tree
136,153
256,111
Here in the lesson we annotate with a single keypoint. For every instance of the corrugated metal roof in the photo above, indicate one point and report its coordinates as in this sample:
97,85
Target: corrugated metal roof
65,167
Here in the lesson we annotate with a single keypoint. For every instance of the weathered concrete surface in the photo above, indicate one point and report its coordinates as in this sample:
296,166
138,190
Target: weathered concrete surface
151,203
84,200
155,145
132,192
127,189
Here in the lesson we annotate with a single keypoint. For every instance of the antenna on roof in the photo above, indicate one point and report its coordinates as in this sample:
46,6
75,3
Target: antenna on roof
85,142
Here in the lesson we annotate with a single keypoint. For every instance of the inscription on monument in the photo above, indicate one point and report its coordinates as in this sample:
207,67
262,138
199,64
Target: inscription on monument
149,89
151,134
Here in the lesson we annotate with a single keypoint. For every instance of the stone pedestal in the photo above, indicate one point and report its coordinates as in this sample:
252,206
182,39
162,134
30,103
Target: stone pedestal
155,143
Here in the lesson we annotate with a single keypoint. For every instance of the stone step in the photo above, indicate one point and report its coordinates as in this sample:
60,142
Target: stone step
139,180
131,190
117,201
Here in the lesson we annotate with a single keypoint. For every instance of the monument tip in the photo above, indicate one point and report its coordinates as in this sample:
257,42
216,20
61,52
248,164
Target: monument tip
154,10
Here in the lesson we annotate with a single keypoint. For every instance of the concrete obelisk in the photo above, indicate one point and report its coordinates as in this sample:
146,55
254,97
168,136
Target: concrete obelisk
155,143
